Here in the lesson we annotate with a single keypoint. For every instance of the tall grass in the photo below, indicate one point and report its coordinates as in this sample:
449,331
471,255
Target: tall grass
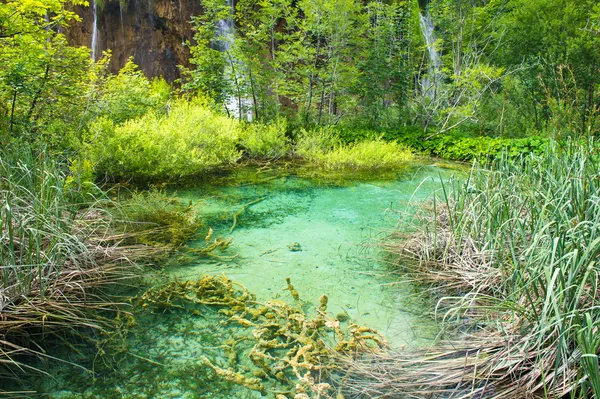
514,251
54,258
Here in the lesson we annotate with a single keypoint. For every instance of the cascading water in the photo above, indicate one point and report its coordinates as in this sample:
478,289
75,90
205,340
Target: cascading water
236,105
430,81
122,25
95,32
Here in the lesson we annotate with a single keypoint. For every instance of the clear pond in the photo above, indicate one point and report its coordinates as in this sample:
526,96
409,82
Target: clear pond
321,236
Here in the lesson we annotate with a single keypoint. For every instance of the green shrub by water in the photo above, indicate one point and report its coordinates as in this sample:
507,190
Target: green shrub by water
264,141
324,148
515,251
190,140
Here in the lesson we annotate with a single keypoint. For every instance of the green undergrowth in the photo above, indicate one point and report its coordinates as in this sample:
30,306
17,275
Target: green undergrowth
455,145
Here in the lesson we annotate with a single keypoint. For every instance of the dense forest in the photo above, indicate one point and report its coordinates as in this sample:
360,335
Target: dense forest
332,90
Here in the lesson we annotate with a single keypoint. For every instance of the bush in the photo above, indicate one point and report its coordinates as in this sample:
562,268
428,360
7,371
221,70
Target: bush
264,142
367,156
129,95
312,144
191,140
461,146
324,148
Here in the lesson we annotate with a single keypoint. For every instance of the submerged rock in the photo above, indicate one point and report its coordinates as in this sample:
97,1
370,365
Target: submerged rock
295,247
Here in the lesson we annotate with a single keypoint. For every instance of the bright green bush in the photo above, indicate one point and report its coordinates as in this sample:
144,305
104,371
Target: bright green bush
312,144
129,94
264,142
190,140
324,148
366,156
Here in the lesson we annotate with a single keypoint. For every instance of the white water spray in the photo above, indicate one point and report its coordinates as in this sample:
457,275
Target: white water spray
95,32
430,81
241,108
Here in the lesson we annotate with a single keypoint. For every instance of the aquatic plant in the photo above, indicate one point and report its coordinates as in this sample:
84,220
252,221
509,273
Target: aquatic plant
291,352
513,253
154,218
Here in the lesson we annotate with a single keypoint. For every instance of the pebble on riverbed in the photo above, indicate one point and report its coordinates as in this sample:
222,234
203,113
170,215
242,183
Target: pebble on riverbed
295,247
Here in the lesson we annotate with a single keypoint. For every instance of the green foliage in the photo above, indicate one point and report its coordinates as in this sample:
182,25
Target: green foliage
310,60
323,148
42,79
208,75
190,140
366,156
464,147
153,218
129,94
264,141
312,144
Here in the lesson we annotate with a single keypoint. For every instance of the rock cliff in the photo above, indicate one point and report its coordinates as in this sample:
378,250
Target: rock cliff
153,32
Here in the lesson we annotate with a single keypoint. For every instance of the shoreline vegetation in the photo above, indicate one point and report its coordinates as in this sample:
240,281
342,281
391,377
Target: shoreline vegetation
339,91
510,255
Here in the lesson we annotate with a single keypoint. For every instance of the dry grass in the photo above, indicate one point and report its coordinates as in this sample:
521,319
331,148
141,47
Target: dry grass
512,253
58,258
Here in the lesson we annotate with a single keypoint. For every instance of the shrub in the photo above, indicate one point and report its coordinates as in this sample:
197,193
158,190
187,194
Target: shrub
367,156
190,140
312,144
129,95
264,142
324,148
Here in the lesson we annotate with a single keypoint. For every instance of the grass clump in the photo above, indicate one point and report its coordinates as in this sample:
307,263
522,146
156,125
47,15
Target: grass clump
514,253
56,257
155,219
325,149
191,139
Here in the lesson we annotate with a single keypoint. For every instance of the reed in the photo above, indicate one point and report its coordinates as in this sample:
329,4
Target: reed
56,259
513,252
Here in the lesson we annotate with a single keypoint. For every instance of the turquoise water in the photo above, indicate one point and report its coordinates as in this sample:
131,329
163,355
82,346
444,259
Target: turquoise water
322,237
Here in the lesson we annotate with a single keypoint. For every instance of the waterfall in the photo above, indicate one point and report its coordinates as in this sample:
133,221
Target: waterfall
181,15
430,81
122,25
226,33
95,32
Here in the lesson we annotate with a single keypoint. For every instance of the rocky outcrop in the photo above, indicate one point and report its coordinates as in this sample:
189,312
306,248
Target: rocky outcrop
153,32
